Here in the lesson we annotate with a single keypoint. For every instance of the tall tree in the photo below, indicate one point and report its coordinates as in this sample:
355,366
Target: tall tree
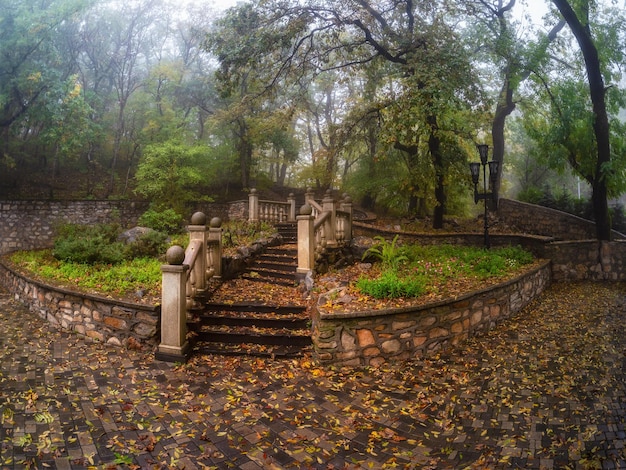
579,23
31,37
292,42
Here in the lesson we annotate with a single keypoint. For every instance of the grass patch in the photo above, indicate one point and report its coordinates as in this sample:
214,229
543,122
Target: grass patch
412,270
117,280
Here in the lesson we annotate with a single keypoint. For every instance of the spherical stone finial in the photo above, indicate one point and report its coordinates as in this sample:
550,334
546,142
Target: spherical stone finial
253,191
306,210
198,218
216,222
175,255
347,199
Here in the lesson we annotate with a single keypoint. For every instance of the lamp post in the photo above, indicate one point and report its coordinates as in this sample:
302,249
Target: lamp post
483,151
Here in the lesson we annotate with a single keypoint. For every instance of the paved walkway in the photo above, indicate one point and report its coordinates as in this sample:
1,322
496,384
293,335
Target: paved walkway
545,390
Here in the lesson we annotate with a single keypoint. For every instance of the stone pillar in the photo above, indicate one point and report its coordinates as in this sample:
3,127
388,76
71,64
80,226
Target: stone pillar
328,205
197,231
346,206
253,206
215,236
174,346
291,199
306,240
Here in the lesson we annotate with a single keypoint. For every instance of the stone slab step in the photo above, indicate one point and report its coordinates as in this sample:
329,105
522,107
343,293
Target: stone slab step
244,335
256,350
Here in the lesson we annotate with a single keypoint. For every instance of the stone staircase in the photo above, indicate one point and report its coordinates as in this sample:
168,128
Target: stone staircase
264,316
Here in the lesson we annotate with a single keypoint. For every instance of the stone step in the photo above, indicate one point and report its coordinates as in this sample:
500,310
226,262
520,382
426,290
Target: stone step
251,328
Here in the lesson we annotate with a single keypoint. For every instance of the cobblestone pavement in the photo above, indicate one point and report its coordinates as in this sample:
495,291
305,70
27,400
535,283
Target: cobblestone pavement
545,389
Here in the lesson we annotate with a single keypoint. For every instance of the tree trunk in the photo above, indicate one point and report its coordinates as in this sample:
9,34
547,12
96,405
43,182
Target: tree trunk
504,108
601,121
434,147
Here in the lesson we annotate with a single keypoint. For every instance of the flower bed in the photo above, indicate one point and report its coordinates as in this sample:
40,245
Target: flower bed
375,336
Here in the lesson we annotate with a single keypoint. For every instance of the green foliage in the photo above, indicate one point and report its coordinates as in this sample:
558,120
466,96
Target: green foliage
423,267
390,285
121,279
99,245
240,232
167,220
388,252
170,174
149,245
90,244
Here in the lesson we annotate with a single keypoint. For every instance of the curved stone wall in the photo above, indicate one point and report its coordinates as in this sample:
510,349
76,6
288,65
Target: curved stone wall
110,321
375,337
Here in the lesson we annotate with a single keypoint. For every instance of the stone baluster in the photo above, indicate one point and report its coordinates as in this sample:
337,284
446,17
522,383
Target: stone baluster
346,206
197,232
328,205
215,240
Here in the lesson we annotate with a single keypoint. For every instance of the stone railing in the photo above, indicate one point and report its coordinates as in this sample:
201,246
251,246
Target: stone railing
184,281
270,211
322,226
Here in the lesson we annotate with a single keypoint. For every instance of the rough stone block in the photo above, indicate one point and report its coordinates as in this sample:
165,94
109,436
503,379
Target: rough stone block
365,337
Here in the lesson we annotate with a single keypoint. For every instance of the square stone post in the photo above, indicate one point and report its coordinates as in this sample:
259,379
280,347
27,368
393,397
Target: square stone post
253,206
174,346
198,232
306,241
215,236
291,199
346,206
328,205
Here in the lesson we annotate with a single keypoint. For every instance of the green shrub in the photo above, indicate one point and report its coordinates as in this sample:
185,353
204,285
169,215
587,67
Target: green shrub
389,253
389,285
149,245
413,270
90,244
167,220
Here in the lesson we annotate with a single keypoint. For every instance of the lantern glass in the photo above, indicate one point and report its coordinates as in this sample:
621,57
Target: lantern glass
475,170
483,151
493,170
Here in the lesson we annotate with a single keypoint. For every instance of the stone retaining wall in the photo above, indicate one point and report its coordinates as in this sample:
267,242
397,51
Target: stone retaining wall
28,225
375,337
534,244
539,220
587,260
106,320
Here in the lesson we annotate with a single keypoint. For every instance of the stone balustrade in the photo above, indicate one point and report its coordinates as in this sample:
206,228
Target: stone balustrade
270,211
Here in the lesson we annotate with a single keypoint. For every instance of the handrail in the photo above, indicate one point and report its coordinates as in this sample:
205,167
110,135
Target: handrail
319,221
192,253
322,226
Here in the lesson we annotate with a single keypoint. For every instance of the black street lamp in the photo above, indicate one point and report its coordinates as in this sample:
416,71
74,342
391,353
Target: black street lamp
483,151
